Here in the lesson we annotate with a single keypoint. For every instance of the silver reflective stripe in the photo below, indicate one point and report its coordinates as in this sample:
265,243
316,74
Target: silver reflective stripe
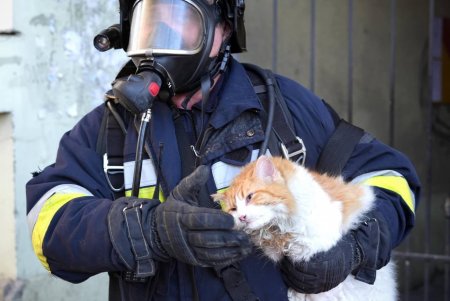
148,175
224,173
32,216
383,173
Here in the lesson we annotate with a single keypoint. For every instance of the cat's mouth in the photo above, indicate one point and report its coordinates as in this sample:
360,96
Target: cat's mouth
250,226
240,225
247,226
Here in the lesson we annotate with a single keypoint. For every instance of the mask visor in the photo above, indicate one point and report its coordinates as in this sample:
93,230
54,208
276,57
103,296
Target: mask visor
165,27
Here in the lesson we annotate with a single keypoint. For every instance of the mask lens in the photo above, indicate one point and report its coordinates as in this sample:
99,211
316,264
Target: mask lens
165,27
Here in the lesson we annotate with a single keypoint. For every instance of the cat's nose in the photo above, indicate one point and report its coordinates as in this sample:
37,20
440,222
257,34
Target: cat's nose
243,218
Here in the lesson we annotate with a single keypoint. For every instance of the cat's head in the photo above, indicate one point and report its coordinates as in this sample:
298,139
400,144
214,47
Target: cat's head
259,197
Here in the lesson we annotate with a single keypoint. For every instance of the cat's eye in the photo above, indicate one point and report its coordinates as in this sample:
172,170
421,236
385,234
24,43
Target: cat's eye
232,209
249,197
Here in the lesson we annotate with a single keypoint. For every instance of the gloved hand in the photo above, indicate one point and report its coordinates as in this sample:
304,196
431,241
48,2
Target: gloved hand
195,235
360,252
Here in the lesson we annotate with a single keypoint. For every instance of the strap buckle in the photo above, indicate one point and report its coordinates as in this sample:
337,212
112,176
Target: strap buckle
111,170
295,151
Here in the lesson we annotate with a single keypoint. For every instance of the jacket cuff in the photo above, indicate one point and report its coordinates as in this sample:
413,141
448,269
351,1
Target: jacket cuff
373,239
128,228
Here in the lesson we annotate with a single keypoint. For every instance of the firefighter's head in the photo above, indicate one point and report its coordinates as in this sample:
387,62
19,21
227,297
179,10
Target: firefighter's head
183,40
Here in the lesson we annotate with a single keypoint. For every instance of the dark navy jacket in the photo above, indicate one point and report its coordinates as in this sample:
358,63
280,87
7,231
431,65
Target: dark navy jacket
75,240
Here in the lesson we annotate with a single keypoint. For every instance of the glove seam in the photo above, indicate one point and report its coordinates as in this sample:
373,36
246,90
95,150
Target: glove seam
155,241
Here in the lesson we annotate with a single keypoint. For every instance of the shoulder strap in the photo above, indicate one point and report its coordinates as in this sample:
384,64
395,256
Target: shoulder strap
339,148
110,143
283,141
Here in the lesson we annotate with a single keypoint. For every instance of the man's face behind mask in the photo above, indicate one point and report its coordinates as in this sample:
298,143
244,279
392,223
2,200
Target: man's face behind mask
165,27
181,40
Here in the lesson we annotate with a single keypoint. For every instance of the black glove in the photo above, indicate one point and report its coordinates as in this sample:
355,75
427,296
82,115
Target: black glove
143,230
196,235
360,252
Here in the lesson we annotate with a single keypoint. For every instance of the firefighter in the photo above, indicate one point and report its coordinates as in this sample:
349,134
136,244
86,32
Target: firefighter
169,241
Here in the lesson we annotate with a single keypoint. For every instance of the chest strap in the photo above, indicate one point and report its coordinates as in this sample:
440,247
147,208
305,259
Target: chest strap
235,283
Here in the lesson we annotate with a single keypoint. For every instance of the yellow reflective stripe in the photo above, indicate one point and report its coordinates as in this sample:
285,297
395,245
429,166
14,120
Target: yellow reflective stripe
147,193
222,190
48,211
221,203
395,184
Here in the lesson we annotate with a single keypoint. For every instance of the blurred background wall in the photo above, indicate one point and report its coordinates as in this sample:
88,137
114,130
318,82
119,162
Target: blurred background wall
369,59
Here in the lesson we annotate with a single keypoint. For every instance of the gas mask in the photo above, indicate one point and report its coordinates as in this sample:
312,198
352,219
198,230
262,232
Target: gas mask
174,38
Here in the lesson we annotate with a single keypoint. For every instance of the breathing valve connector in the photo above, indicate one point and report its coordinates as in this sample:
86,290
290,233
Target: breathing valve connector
137,91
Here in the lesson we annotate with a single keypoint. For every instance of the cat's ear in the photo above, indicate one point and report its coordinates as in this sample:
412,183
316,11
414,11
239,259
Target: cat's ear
219,198
266,170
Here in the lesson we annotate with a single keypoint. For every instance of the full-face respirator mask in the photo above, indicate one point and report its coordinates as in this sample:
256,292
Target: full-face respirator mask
170,43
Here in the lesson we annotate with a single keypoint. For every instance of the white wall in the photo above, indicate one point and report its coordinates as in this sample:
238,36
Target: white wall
50,75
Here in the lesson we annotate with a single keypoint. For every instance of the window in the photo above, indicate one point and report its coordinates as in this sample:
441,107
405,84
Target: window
7,206
440,63
6,16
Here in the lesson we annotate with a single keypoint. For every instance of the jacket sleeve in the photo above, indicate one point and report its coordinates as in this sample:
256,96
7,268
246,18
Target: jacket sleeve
395,182
390,172
67,207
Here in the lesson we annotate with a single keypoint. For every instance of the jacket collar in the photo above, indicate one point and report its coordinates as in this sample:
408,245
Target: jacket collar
235,96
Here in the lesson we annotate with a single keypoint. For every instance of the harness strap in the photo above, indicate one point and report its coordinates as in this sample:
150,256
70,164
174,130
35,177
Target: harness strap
184,143
145,264
283,140
233,279
261,90
273,140
339,148
110,142
187,166
235,283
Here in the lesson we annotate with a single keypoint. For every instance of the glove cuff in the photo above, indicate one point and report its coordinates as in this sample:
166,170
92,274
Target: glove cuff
127,222
373,245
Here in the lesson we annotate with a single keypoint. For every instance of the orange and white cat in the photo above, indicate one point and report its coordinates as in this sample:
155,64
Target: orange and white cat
290,211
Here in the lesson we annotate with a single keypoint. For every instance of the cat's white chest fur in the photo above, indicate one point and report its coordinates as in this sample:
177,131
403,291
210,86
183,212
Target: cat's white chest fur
384,289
